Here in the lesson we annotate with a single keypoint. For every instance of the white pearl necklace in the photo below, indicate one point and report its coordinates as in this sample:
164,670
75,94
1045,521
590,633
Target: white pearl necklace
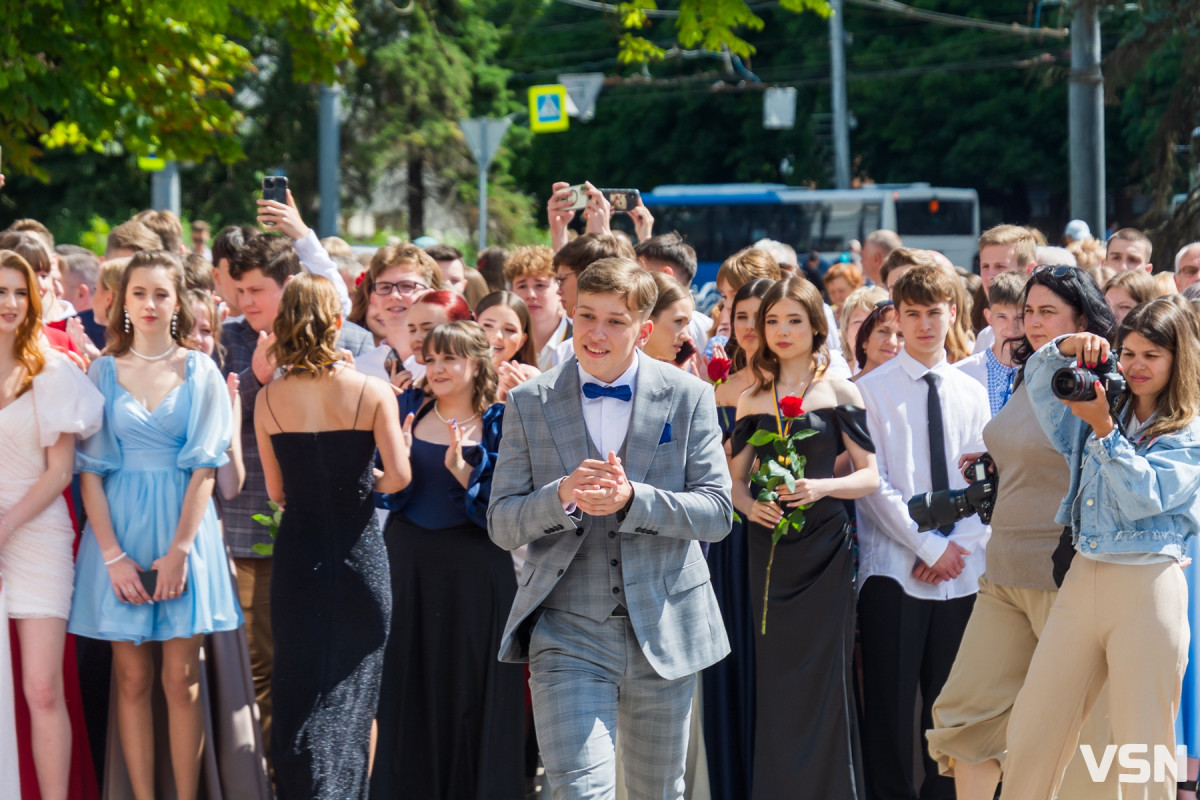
460,422
158,357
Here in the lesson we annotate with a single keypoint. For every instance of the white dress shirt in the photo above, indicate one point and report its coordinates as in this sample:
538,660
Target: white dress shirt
552,354
698,328
985,339
896,396
607,418
314,259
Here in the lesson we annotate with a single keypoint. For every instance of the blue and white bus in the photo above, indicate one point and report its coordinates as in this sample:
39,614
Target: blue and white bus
720,219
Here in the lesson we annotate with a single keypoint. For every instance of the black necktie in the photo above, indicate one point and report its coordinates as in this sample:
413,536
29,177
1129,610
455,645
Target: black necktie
937,444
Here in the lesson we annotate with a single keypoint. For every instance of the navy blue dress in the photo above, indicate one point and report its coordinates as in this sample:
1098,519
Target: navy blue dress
451,716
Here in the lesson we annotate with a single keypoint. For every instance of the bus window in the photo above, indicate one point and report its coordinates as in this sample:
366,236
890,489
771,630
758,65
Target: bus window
934,217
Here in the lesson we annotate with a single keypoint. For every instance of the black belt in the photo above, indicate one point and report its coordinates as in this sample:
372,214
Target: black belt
620,611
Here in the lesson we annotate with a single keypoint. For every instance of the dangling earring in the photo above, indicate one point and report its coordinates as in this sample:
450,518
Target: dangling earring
175,325
128,323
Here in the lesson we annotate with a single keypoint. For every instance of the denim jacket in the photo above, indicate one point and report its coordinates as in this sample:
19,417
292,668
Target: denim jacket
1125,497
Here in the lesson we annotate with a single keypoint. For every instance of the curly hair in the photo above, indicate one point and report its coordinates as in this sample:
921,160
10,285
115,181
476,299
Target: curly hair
27,345
468,340
306,327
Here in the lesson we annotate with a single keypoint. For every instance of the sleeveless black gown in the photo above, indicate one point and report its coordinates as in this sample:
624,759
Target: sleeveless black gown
806,731
331,603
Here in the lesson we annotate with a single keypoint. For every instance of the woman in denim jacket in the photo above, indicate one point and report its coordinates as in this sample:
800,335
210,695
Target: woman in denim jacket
1134,501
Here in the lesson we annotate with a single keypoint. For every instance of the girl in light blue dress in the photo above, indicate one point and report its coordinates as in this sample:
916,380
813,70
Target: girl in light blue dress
147,481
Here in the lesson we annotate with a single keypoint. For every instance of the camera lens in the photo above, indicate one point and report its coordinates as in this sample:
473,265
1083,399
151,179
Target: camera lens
1073,383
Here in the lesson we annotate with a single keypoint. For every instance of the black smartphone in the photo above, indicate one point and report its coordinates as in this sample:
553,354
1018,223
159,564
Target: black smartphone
685,352
622,200
392,363
150,581
275,187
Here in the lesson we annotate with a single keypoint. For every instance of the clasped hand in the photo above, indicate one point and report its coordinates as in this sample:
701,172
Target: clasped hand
598,488
948,566
808,491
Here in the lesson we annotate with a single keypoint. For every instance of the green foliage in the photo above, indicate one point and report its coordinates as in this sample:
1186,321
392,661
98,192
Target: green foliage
711,25
150,76
271,523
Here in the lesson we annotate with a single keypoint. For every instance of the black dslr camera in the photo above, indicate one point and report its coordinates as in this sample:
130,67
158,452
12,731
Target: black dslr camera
935,509
1079,383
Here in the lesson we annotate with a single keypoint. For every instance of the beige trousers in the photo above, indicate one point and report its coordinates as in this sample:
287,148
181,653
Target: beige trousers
970,716
1111,622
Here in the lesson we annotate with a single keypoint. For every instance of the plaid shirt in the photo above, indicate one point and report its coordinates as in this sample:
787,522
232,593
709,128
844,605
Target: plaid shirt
239,340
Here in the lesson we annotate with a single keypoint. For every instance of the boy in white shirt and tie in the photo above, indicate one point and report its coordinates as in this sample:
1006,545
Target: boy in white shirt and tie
916,589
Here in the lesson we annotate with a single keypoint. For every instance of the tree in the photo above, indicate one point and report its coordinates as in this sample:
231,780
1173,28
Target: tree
146,76
422,70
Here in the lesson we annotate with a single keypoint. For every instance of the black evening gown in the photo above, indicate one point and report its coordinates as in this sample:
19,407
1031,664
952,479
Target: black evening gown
806,730
331,602
451,715
729,684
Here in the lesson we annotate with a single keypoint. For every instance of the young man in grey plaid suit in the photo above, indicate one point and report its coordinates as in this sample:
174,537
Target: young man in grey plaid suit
611,470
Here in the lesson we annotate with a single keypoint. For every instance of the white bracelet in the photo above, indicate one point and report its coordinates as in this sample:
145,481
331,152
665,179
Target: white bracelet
115,560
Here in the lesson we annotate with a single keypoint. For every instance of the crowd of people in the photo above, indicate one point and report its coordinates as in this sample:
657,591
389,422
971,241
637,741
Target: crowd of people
277,521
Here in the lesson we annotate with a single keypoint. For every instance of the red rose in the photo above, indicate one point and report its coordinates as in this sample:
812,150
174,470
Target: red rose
718,369
791,406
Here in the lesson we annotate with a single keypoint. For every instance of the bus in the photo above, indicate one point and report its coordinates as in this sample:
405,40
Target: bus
720,219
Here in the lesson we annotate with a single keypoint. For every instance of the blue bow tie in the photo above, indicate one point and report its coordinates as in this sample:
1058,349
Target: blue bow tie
593,390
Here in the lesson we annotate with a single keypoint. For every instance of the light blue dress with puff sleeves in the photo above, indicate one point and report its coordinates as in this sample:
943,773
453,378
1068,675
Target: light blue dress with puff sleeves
146,459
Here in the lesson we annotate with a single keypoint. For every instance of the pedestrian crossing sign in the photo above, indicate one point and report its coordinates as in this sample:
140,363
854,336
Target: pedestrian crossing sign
548,108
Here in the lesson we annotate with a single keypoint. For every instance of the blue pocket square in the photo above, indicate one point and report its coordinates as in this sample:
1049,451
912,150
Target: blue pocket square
666,434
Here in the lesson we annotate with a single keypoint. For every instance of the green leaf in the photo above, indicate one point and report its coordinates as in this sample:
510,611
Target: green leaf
780,531
760,437
790,481
263,549
796,517
804,434
737,517
778,469
263,519
767,496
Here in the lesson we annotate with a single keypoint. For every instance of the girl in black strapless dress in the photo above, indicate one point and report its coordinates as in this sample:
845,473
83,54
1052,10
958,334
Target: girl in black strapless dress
318,429
805,738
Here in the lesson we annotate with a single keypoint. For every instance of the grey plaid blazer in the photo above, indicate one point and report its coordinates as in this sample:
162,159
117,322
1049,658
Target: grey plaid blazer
681,491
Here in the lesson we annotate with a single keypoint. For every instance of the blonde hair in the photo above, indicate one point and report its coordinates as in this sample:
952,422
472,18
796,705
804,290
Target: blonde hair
120,340
747,264
1136,283
531,261
864,298
466,339
306,327
27,347
1164,284
1021,240
111,272
1088,253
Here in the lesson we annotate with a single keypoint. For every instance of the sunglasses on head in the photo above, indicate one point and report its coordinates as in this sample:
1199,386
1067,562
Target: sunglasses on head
1060,271
884,303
